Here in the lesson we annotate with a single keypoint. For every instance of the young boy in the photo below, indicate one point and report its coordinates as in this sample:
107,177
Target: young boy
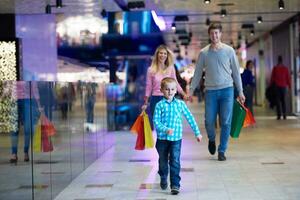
168,124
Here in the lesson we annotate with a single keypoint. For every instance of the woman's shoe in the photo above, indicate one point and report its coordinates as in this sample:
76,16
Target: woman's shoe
26,157
14,159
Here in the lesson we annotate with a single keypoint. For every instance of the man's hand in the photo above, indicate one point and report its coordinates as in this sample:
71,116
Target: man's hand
199,138
170,131
241,98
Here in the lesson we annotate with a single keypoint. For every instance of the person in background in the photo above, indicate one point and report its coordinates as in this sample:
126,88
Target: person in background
248,81
168,123
221,73
280,77
29,110
90,99
162,66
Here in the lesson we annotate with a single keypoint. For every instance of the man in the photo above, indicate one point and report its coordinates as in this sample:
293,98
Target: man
281,79
221,73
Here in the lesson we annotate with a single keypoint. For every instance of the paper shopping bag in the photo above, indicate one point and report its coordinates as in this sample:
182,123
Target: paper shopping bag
47,126
149,143
137,125
238,117
46,143
37,138
249,119
138,128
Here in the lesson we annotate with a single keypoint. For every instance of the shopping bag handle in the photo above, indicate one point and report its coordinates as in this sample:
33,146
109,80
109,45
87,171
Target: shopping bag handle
243,106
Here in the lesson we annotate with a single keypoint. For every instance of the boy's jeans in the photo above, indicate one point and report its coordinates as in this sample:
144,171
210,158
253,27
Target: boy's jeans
169,154
219,101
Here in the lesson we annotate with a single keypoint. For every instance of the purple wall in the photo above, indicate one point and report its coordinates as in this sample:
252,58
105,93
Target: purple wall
38,46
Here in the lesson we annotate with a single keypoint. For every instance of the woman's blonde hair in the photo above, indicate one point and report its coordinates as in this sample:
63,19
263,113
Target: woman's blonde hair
168,63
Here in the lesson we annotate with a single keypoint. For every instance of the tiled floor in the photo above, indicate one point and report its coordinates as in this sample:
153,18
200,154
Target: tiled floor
263,164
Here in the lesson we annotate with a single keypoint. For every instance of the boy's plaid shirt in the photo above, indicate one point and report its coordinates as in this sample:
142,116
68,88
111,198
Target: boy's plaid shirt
168,115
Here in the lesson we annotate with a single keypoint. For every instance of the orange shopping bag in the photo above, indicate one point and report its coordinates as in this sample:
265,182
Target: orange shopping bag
138,128
249,119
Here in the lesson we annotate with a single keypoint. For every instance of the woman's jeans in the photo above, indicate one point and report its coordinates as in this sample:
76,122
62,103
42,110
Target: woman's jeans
28,121
219,102
153,101
169,154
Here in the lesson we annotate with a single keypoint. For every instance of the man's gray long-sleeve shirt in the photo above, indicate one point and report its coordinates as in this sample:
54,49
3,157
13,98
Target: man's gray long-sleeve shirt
221,69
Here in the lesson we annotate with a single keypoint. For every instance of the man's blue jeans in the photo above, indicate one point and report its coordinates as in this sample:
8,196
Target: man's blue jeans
169,154
219,102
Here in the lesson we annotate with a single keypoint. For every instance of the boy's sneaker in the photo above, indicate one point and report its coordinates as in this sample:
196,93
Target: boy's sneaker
174,190
163,185
212,147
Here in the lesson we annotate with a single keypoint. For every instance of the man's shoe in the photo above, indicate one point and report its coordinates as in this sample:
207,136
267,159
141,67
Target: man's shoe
212,147
174,190
163,185
221,156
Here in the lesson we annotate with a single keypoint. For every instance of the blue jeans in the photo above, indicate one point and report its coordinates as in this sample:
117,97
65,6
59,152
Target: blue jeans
28,121
89,107
219,102
169,154
153,101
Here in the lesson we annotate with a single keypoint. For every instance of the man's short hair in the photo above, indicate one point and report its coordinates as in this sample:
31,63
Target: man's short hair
215,25
166,80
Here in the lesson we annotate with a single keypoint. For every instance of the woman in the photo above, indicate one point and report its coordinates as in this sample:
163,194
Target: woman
248,85
162,66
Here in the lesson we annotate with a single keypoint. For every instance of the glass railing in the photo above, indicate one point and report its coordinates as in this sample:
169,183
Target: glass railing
56,130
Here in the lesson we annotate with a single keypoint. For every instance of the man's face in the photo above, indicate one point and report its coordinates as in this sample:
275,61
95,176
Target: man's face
169,90
215,35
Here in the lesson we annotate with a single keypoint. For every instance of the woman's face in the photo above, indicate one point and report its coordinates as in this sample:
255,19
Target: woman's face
162,55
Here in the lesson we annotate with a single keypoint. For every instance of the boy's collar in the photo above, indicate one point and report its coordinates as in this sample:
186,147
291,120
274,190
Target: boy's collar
166,100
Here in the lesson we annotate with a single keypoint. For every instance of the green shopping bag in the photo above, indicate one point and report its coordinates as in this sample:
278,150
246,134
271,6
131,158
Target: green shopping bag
238,117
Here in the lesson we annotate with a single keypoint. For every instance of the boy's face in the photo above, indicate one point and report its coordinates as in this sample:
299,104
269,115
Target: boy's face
169,90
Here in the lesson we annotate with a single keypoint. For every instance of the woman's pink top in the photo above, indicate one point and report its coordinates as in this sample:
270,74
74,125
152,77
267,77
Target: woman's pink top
153,82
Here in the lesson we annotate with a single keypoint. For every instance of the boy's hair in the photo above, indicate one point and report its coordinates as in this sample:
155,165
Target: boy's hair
215,25
166,80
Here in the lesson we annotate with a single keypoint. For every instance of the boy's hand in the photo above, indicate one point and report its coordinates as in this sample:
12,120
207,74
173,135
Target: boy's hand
199,138
170,131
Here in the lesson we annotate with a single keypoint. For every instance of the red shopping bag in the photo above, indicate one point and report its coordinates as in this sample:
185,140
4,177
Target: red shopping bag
47,126
138,128
47,145
249,119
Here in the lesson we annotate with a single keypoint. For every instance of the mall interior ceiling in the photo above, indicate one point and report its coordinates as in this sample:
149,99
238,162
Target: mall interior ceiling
241,19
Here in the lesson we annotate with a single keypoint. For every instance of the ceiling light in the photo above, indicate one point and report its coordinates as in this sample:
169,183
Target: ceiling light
207,22
223,12
59,4
281,4
259,19
103,13
207,1
252,32
48,9
173,26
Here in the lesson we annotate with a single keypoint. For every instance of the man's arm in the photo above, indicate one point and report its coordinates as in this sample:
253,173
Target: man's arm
235,67
197,74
